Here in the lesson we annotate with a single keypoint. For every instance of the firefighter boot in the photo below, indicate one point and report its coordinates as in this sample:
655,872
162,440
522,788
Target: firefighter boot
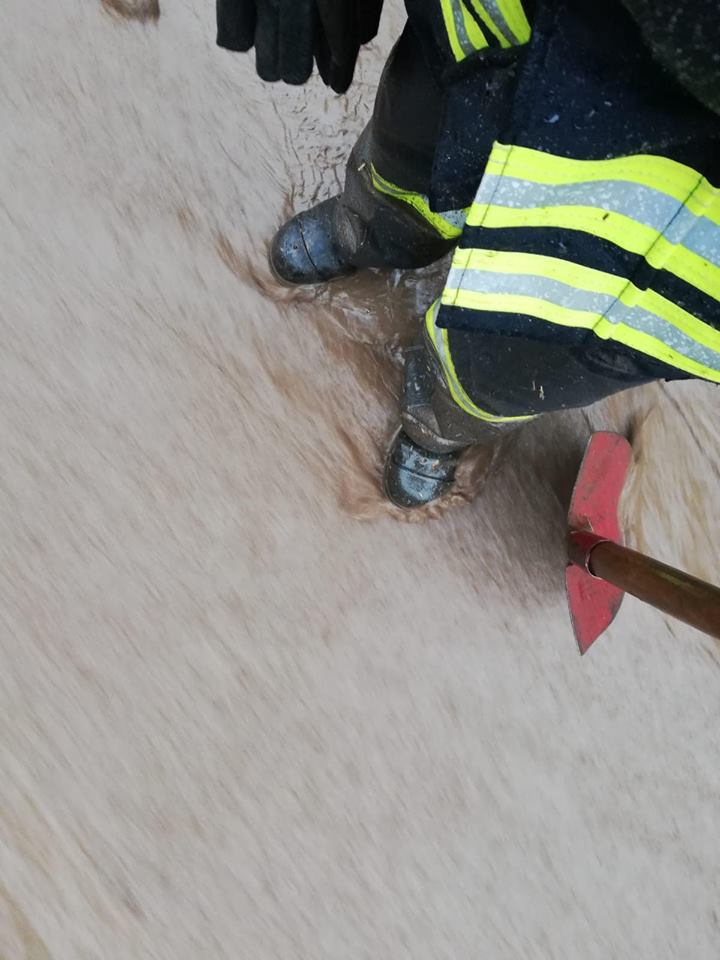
361,227
420,465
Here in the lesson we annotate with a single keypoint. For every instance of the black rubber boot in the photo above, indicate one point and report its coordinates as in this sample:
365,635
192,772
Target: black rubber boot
359,228
434,432
314,246
415,476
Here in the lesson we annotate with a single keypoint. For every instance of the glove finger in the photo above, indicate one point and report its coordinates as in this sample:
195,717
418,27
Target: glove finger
339,24
296,40
267,48
236,24
342,75
323,56
368,19
337,76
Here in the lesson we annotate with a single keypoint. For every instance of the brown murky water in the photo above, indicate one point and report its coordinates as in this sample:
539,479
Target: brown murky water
248,711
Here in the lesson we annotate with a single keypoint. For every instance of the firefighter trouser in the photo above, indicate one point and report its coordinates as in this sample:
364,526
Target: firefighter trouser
577,274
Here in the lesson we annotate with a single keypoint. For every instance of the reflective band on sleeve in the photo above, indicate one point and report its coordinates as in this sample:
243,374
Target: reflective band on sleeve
649,206
568,294
526,285
514,14
449,224
464,35
659,173
440,342
474,33
495,26
506,19
624,232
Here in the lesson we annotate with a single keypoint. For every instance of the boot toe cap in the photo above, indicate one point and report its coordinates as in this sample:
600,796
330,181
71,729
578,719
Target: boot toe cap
305,250
415,477
289,258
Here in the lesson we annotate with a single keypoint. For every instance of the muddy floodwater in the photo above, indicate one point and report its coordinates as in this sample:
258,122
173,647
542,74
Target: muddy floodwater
247,710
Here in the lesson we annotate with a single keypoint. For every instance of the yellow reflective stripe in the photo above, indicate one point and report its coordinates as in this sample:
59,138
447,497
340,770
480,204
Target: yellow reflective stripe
571,294
464,34
474,33
685,264
505,19
652,207
659,173
608,225
552,313
440,342
591,280
651,346
515,18
449,18
628,233
522,304
535,264
691,325
490,23
446,229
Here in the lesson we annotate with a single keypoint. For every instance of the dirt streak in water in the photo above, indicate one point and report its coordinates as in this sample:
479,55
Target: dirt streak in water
142,10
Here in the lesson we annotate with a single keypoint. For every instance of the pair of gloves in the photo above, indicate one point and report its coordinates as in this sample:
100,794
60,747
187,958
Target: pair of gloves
290,35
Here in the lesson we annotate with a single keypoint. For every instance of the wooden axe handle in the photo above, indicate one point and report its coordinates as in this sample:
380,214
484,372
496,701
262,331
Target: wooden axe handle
684,597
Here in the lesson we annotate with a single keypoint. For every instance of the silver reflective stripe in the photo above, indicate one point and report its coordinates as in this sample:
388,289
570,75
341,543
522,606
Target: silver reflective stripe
530,285
667,333
652,208
464,40
456,218
695,233
598,304
498,18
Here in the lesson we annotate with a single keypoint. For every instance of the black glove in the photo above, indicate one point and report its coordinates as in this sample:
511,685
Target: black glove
344,26
283,33
286,34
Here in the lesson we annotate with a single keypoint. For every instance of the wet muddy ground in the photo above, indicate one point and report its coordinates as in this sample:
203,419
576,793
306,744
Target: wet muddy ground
247,710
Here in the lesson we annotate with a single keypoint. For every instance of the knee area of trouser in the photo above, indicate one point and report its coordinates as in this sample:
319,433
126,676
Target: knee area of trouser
517,376
430,416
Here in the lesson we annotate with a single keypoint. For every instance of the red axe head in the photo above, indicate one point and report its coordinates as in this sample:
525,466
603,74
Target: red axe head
594,603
